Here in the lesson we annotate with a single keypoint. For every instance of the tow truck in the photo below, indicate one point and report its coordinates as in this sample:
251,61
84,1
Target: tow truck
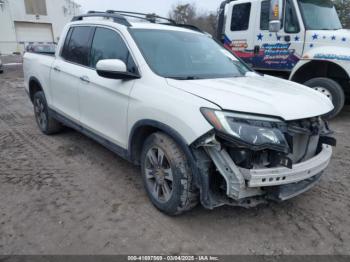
301,40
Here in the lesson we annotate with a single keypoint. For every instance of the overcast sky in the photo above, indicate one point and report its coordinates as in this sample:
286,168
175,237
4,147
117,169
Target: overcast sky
160,7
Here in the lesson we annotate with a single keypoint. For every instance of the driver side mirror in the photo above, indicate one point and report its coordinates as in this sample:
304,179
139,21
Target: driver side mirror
276,15
114,69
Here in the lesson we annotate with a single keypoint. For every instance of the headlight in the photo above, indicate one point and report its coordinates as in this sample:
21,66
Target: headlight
256,131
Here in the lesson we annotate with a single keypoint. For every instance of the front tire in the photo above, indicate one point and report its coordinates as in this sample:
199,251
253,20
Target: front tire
330,89
46,123
167,175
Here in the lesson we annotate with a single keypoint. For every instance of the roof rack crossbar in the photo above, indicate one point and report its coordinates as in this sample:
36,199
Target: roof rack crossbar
138,17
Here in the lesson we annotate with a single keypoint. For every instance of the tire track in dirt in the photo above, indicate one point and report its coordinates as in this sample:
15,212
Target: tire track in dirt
21,136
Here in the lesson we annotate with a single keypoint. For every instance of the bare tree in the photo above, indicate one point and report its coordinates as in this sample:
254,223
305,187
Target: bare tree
343,8
188,14
183,13
208,22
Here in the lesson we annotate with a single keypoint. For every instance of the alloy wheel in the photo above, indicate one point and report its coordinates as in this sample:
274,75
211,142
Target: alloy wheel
40,113
159,175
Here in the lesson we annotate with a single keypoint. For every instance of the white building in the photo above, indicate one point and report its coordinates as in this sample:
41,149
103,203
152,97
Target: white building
33,21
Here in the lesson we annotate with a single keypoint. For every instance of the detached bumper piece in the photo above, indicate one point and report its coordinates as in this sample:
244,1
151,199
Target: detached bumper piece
285,192
281,175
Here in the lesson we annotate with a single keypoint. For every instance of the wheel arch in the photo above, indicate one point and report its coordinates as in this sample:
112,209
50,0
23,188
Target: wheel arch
34,86
320,68
144,128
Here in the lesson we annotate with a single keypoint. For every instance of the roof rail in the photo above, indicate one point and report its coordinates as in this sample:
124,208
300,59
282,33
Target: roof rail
149,17
120,17
116,17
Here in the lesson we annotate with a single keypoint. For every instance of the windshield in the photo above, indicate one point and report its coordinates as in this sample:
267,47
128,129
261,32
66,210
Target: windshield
319,15
185,55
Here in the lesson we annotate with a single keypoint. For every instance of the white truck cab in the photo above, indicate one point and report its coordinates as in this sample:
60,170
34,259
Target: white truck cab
300,39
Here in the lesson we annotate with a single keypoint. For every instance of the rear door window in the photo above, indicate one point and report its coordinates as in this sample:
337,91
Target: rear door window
240,17
77,48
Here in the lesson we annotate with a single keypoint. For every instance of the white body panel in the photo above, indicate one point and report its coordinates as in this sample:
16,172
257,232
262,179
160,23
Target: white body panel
39,66
330,46
109,118
264,95
241,40
154,99
65,87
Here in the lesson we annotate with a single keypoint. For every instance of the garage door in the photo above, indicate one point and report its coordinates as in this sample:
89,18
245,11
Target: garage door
32,32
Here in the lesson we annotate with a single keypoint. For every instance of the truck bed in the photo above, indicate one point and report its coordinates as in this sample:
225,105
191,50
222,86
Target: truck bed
38,66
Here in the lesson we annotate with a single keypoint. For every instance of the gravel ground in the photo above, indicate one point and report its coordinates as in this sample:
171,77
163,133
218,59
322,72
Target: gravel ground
66,194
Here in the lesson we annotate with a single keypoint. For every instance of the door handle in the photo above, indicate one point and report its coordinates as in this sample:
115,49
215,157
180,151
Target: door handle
85,79
287,38
57,69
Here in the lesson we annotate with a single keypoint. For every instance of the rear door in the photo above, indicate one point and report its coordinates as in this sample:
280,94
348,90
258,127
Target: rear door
104,102
279,51
66,71
239,29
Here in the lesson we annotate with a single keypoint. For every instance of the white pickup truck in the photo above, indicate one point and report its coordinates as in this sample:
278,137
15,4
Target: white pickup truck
302,40
201,125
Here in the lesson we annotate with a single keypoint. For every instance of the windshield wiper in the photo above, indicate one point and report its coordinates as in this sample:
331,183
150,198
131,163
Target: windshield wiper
185,77
329,29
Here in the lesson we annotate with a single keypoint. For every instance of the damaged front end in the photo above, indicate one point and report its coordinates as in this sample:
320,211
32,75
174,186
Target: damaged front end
248,159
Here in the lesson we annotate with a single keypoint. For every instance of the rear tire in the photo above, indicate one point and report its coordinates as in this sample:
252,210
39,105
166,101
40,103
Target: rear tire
332,90
46,123
167,175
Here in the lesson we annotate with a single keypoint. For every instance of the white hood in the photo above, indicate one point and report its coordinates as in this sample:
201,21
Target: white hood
260,95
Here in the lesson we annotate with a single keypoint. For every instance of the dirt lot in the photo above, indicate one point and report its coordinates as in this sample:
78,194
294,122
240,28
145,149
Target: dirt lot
67,194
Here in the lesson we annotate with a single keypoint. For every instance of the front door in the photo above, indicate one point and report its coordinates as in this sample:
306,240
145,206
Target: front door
104,102
278,51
